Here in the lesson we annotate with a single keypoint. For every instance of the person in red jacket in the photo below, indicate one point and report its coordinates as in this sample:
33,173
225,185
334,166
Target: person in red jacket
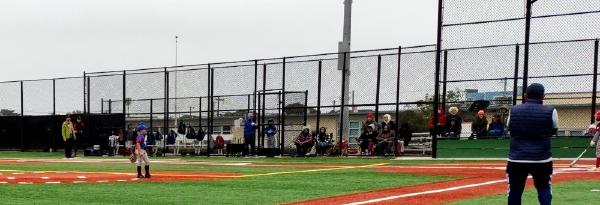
433,130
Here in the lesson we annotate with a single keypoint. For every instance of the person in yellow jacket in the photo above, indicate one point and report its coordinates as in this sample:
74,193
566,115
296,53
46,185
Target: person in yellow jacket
68,137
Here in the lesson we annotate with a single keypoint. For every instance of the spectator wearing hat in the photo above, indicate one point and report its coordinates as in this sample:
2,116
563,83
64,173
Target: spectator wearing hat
479,125
387,121
531,125
304,142
140,151
453,126
370,121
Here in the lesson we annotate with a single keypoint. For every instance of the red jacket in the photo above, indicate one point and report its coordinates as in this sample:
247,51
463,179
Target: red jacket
441,120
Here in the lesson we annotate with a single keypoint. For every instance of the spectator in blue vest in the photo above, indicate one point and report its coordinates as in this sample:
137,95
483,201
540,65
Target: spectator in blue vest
249,135
531,125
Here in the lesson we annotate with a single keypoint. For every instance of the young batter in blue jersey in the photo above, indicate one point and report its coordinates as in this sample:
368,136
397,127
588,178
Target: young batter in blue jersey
140,151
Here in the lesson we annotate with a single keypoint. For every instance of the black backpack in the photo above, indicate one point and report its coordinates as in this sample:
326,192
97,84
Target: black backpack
201,134
171,137
181,128
191,134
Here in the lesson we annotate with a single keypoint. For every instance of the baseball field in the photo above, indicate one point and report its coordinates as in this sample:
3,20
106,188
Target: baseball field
47,178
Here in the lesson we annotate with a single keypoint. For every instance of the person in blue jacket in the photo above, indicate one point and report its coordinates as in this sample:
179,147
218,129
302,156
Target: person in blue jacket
249,135
531,125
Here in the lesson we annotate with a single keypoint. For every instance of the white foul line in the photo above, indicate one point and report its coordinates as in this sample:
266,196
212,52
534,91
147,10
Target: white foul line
426,192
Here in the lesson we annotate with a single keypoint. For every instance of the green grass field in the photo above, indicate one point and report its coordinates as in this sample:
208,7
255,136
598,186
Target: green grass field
572,193
293,186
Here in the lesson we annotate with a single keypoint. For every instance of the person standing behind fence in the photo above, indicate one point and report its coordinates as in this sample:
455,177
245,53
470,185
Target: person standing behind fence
271,131
531,125
249,135
67,134
78,127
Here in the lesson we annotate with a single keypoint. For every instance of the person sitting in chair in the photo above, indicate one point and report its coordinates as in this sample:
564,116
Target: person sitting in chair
479,126
496,128
385,140
367,138
303,142
323,141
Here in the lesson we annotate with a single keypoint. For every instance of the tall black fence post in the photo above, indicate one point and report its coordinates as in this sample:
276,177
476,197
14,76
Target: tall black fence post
398,86
125,100
436,95
88,103
264,106
85,110
255,106
516,77
166,130
212,113
319,90
282,128
527,36
53,126
445,79
343,102
595,87
22,120
378,88
151,115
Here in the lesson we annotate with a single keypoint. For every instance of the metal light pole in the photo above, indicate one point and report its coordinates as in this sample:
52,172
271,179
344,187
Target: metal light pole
176,96
344,63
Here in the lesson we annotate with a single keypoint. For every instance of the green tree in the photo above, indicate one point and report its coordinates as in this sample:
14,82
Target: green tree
453,98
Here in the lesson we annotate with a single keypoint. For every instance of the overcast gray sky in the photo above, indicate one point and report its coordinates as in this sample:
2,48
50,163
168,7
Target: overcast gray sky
45,39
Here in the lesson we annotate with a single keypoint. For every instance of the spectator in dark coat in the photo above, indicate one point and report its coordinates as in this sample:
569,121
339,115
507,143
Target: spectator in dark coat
387,121
479,125
456,128
366,138
385,141
405,133
323,141
303,142
496,128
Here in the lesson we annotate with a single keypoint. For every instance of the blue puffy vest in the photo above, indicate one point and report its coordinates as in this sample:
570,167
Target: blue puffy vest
531,128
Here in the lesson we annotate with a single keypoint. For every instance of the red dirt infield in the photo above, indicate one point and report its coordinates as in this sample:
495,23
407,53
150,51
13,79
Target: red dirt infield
66,177
470,181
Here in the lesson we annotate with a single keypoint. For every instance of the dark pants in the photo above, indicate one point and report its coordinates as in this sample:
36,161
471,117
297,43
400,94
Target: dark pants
383,148
542,179
249,141
303,149
322,147
69,148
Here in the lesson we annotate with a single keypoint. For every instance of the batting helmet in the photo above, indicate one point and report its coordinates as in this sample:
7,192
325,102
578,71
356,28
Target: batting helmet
597,116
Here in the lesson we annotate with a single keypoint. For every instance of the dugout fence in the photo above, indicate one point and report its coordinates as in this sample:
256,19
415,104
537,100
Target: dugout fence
485,52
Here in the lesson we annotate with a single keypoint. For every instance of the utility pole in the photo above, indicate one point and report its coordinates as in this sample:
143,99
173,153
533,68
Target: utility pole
176,96
344,63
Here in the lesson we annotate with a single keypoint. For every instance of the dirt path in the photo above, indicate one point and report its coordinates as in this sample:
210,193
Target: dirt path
54,177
